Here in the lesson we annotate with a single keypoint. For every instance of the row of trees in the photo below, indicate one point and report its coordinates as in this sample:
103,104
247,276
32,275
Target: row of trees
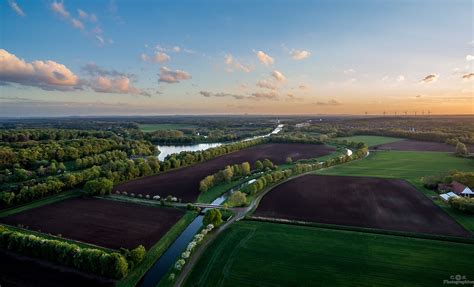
432,181
88,259
44,134
99,159
226,174
278,175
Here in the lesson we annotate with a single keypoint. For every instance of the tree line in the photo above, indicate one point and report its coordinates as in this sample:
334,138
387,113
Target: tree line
93,260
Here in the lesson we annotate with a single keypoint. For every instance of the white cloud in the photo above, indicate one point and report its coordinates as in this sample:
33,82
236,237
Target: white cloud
264,58
86,16
160,57
117,85
144,57
47,75
469,58
266,85
233,64
349,71
77,24
16,8
299,54
176,49
171,77
278,76
400,78
58,8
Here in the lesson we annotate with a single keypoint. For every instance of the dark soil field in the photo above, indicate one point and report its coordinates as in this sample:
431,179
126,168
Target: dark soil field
413,145
106,223
390,204
23,271
184,183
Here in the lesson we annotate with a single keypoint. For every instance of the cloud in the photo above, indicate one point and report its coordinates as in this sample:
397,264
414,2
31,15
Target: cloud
468,77
264,96
400,78
171,77
469,58
48,75
86,16
221,95
264,58
161,57
430,79
144,57
299,54
58,8
278,76
77,24
266,85
292,98
117,85
304,87
233,63
329,103
349,71
16,8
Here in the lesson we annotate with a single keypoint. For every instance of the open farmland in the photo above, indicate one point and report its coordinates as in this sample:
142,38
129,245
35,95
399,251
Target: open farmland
389,204
183,183
371,140
106,223
269,254
413,145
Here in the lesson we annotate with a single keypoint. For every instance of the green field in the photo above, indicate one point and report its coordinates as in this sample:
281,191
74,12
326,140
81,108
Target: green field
269,254
371,140
147,128
402,164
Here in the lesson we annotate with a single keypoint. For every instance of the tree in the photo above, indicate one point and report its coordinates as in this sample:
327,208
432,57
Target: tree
237,199
461,149
100,186
268,164
245,168
137,254
258,165
212,216
228,173
289,160
61,166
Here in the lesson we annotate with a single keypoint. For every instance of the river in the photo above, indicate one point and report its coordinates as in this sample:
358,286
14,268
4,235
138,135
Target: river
166,150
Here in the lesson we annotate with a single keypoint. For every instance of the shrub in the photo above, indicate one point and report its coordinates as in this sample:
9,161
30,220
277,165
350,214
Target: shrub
137,254
100,186
462,204
237,199
212,216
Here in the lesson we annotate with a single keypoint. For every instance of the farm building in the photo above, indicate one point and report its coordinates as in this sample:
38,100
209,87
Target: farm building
447,196
456,188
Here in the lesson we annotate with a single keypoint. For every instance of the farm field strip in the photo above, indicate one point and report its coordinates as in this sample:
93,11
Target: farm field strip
101,222
269,254
371,140
387,204
184,182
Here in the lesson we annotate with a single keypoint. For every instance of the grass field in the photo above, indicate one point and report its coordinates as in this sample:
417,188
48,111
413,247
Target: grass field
147,128
411,166
269,254
402,164
371,140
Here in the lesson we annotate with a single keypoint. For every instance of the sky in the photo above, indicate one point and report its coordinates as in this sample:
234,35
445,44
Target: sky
63,58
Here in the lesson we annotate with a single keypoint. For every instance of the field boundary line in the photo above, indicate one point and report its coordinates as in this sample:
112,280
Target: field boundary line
425,236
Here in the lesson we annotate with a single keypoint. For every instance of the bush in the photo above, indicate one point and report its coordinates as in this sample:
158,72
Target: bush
212,216
100,186
137,254
237,199
462,204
